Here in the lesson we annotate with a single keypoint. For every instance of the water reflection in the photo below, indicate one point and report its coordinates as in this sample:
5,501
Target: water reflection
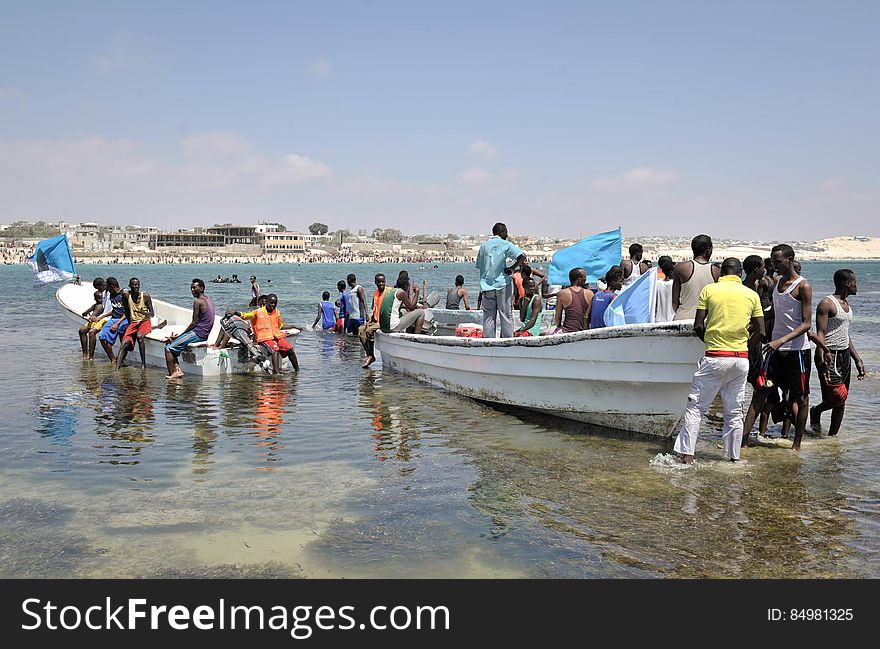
195,403
271,407
490,492
394,439
124,415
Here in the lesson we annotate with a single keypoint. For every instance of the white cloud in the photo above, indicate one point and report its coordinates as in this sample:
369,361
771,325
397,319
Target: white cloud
321,68
298,168
475,176
220,158
210,178
644,176
483,149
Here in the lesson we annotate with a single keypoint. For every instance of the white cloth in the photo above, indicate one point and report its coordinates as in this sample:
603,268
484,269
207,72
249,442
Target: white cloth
408,319
498,303
663,311
716,374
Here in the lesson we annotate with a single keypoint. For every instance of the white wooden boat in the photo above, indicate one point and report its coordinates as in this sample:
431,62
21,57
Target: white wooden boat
631,378
196,359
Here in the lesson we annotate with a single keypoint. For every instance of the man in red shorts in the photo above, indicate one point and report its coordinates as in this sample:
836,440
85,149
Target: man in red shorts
269,331
138,311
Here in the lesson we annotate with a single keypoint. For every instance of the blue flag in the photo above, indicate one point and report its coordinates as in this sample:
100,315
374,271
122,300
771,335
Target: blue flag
595,254
635,305
52,261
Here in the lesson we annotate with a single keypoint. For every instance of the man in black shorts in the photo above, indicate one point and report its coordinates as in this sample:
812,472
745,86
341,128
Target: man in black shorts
789,344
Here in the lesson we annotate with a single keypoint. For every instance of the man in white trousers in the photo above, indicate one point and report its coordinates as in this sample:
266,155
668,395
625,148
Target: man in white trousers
724,313
495,282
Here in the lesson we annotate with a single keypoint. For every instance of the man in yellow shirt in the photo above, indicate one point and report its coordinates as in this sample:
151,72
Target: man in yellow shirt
724,313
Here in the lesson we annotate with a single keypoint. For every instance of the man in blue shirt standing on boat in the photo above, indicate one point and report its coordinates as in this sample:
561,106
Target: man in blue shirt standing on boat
495,281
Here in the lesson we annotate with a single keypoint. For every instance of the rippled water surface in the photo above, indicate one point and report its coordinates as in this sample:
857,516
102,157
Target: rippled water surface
340,472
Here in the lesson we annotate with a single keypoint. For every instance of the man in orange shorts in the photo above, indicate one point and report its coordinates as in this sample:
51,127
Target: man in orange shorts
269,331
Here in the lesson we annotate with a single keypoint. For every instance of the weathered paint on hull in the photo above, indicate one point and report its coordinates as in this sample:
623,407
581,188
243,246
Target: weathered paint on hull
634,378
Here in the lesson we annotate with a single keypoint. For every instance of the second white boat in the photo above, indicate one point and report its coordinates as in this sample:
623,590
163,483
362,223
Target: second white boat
197,358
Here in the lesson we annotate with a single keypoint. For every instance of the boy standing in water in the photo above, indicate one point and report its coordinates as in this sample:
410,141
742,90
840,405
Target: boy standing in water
326,313
344,304
833,317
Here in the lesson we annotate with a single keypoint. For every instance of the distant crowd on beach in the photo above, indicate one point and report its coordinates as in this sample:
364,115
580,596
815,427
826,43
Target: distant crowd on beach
15,256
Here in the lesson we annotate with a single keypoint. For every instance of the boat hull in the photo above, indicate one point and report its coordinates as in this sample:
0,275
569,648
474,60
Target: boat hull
198,359
633,378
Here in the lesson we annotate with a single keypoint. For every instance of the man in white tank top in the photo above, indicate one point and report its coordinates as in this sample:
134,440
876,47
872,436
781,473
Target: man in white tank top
834,350
358,314
634,267
789,343
689,278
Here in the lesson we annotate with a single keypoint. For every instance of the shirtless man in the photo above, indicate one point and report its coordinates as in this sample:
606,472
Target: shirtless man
689,278
575,303
634,267
789,344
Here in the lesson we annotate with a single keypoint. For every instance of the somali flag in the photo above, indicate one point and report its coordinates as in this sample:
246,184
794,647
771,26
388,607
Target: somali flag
52,261
635,305
595,254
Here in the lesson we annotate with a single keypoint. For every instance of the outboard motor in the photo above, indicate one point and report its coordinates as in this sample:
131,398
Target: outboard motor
239,329
430,326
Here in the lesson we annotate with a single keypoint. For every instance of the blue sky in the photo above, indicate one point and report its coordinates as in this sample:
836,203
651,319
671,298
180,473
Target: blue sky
559,118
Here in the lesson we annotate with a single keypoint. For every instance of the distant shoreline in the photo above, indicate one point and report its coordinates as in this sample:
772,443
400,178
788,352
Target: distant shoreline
839,249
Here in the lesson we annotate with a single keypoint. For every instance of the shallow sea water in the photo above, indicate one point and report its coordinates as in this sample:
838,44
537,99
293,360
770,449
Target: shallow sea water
340,472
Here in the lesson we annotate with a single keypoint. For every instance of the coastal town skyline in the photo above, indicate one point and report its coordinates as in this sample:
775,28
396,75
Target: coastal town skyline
664,118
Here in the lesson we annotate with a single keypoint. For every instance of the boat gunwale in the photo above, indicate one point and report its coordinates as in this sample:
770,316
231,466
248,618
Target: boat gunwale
678,328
